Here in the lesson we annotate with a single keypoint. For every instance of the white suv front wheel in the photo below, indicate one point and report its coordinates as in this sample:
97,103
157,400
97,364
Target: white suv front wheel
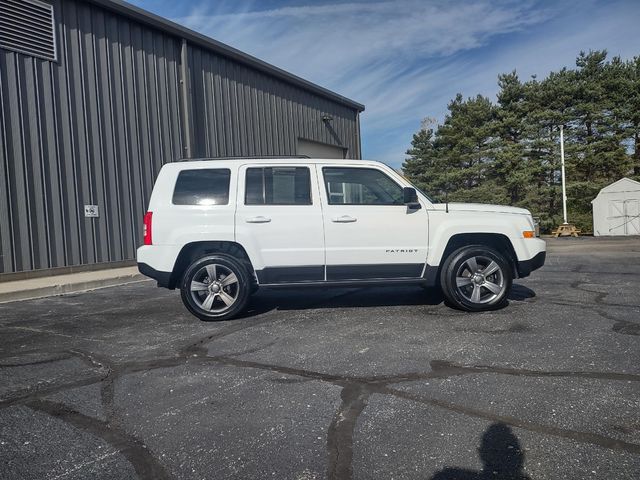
476,278
215,287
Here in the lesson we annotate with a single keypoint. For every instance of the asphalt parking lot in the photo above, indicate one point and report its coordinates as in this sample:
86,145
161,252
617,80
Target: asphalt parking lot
354,383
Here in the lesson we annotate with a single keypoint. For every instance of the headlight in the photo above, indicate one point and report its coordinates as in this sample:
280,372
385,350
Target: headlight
536,225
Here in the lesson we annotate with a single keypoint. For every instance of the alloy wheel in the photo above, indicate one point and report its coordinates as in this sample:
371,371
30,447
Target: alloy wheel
480,280
214,288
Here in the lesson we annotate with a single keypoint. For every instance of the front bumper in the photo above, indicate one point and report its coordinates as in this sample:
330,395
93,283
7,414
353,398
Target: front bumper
163,278
525,267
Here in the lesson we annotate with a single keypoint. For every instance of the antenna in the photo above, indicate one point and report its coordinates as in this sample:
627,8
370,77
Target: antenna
446,199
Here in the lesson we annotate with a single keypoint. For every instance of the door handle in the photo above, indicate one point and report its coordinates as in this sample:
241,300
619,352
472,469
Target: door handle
344,219
258,219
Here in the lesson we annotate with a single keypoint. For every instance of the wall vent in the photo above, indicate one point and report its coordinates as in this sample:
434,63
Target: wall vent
27,26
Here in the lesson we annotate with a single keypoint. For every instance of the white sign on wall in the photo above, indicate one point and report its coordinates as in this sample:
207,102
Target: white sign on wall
91,211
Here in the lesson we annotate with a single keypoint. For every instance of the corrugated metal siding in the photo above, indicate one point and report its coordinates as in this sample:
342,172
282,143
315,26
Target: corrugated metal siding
96,126
93,128
238,111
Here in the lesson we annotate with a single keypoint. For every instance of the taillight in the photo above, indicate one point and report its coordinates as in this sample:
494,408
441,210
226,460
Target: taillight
146,231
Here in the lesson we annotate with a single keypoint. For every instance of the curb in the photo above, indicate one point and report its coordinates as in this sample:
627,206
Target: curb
20,290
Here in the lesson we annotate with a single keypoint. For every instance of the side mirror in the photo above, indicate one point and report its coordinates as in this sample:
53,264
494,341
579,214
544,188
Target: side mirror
410,195
411,198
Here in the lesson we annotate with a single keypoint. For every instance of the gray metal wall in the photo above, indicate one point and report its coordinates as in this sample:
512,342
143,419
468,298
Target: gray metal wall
240,111
96,126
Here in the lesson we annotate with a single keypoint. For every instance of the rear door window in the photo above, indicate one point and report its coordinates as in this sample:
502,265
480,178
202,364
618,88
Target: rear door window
278,186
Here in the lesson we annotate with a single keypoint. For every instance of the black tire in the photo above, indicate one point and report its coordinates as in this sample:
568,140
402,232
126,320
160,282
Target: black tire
467,287
198,276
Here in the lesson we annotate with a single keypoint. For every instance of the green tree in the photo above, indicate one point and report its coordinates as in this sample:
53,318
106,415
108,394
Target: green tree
422,160
454,164
512,167
508,152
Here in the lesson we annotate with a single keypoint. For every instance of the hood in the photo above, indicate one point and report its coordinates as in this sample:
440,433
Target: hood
481,207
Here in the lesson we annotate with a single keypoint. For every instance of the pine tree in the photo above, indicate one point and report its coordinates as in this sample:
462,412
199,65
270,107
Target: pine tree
509,152
422,158
465,145
512,167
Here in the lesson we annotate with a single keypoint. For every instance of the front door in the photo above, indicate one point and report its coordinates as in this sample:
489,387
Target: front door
279,222
369,231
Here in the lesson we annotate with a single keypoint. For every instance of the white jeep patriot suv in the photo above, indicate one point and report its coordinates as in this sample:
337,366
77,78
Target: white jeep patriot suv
220,229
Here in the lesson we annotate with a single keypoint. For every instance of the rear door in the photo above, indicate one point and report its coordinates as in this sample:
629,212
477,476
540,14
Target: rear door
279,222
369,231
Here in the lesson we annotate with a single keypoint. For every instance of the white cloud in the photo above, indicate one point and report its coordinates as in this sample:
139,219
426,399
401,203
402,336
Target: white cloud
328,43
406,59
610,26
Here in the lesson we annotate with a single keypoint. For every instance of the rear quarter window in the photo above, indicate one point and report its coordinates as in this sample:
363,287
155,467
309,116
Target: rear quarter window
202,187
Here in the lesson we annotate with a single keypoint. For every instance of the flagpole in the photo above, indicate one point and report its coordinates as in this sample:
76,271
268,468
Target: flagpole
564,186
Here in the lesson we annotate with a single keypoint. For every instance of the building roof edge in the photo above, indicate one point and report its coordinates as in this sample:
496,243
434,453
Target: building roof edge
153,20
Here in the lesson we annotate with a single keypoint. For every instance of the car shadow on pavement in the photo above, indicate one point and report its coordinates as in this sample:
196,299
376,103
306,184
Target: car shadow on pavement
520,292
501,455
357,297
318,297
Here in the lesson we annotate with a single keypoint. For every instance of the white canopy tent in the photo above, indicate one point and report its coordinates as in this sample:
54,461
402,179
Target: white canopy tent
616,209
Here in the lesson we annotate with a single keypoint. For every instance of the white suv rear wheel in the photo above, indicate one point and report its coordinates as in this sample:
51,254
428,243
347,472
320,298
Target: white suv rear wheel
215,287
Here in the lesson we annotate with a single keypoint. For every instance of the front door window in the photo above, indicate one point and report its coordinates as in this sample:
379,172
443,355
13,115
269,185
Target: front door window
361,186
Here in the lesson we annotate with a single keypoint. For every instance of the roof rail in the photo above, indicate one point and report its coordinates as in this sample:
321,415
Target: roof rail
242,157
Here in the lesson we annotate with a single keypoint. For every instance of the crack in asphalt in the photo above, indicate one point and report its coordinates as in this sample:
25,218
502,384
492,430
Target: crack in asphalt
568,303
624,327
35,362
340,433
355,392
46,389
582,437
138,455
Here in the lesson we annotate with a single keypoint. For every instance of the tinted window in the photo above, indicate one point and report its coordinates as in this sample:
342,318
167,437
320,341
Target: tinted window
278,186
361,186
202,187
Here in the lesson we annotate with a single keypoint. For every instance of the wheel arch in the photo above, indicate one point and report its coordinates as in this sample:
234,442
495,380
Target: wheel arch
194,250
497,241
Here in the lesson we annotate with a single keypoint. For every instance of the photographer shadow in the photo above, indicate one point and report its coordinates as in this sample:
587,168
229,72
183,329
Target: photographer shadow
501,454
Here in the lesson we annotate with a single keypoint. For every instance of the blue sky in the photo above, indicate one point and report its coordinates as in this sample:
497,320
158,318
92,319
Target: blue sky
405,60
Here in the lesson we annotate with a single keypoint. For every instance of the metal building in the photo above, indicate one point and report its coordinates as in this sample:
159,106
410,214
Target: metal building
95,96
